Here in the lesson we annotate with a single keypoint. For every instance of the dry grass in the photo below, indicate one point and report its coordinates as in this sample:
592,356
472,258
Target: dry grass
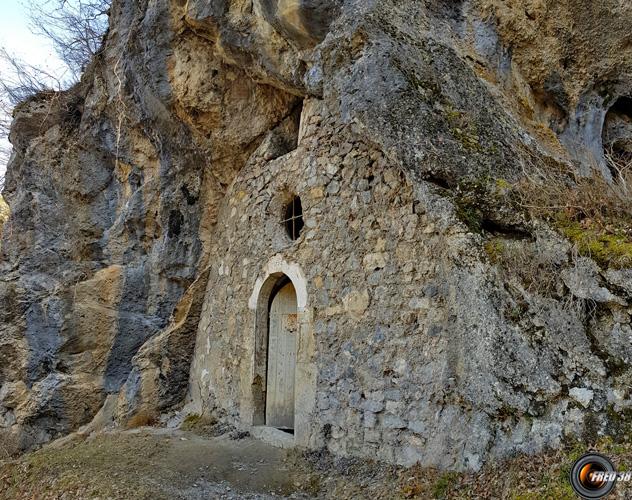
524,260
543,476
9,445
104,468
553,188
592,212
195,422
143,418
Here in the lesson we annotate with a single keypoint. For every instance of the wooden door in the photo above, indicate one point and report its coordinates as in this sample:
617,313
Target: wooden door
282,342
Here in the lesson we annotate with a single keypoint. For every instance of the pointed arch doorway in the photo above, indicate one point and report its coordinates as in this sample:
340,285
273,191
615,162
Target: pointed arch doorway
283,331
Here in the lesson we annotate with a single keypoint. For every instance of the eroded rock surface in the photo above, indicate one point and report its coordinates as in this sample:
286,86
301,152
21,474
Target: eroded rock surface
146,203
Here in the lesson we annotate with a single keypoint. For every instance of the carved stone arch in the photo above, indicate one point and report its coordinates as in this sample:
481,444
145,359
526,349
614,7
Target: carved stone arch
276,273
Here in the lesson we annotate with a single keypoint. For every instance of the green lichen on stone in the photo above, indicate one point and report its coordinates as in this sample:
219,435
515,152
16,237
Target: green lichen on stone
480,199
464,129
503,185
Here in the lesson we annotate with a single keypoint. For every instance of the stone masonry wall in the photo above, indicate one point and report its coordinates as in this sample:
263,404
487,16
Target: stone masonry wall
416,361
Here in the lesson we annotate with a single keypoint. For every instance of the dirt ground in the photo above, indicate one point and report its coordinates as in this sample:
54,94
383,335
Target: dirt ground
150,463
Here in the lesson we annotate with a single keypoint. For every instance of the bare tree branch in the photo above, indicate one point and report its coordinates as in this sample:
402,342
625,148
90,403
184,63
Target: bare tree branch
22,80
76,29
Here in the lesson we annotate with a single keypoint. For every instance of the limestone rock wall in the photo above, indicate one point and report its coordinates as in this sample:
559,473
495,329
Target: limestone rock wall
146,200
575,57
114,187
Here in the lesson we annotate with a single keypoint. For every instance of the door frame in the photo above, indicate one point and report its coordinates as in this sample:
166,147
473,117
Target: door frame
254,404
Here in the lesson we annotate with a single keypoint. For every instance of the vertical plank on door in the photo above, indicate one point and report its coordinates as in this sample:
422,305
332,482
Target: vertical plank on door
282,334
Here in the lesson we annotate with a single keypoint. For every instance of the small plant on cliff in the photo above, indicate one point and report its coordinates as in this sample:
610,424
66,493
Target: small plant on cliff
143,418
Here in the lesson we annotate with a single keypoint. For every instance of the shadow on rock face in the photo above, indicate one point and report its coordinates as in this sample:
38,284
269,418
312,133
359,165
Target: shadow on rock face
306,22
617,130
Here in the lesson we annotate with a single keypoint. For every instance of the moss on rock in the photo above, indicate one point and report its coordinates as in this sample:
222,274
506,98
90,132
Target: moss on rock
606,246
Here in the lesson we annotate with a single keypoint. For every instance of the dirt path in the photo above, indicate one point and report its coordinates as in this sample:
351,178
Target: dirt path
192,467
155,464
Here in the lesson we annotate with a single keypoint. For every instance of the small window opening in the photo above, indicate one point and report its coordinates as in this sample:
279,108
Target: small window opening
293,219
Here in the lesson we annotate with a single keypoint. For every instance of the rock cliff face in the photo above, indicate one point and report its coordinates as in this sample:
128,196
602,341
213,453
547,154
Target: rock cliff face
448,322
